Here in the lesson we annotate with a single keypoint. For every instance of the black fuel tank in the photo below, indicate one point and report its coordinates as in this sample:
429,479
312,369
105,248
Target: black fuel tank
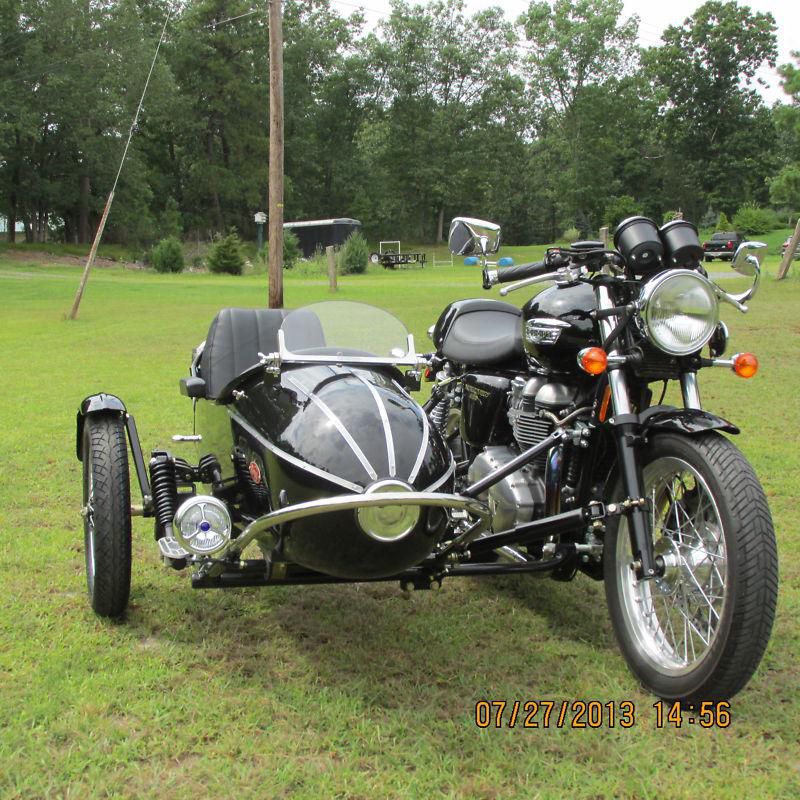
557,325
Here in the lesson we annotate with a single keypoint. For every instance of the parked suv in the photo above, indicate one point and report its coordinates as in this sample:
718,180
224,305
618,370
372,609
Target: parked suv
722,245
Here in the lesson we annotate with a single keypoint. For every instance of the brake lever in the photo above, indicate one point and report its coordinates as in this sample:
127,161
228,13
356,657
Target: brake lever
562,276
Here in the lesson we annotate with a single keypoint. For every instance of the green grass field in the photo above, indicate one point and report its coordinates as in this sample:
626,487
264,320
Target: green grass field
344,691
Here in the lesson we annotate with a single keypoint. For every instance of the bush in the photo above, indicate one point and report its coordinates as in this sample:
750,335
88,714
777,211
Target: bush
753,220
167,256
723,223
571,235
291,249
620,208
354,255
671,215
225,254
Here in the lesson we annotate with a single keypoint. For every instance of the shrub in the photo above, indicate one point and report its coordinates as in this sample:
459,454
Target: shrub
754,220
671,215
167,256
354,255
571,235
225,254
620,208
291,249
723,223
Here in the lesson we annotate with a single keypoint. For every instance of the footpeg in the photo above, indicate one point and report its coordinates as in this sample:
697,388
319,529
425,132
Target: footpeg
170,548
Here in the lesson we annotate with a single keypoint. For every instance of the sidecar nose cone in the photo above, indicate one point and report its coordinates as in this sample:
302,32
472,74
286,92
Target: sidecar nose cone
388,523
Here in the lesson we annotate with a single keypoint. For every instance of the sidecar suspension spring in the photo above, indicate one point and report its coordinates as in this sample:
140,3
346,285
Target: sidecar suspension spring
438,414
165,490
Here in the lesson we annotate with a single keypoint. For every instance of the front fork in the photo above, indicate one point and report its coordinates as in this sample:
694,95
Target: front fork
627,431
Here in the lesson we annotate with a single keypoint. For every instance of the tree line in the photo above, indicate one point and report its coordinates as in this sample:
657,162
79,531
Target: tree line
552,121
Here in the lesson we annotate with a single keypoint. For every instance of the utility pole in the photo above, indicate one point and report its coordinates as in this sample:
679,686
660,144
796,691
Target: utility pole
275,155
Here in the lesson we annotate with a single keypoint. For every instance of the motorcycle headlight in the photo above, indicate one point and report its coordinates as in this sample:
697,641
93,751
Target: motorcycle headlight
680,311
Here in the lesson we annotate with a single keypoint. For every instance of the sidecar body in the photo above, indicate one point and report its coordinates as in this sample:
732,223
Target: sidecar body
307,444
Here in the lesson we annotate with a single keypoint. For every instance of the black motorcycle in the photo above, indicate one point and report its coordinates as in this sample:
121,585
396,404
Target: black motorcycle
539,451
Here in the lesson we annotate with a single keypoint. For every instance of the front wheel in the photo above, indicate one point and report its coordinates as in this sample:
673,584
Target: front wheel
699,631
106,513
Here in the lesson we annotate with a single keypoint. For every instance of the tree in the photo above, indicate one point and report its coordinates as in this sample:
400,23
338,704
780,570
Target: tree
581,55
718,137
784,188
441,81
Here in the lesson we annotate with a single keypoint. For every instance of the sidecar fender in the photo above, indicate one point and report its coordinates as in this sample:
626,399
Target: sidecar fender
95,404
688,421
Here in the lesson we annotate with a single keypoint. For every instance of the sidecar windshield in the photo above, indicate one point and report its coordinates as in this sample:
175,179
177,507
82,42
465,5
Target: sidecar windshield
344,332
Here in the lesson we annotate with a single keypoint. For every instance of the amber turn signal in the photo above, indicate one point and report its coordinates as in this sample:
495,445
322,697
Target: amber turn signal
593,360
745,365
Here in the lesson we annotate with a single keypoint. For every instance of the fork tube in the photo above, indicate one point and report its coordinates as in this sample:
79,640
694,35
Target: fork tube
690,390
616,378
627,433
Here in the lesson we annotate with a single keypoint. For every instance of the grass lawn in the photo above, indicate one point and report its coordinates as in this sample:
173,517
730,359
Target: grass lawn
345,691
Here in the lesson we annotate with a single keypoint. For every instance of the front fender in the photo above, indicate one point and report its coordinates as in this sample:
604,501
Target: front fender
94,404
688,421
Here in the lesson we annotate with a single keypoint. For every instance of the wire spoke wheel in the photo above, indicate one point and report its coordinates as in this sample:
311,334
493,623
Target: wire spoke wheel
677,615
698,631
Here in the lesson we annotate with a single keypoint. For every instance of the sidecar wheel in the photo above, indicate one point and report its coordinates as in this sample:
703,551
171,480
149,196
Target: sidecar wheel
698,632
106,514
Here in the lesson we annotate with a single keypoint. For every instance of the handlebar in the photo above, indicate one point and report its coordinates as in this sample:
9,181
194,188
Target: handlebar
517,273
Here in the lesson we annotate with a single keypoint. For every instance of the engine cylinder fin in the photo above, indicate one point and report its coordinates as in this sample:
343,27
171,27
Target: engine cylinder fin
529,430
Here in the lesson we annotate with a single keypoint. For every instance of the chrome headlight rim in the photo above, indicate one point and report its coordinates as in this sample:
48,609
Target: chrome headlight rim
649,294
189,542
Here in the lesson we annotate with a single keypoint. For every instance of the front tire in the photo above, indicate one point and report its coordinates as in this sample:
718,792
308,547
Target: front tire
106,515
699,631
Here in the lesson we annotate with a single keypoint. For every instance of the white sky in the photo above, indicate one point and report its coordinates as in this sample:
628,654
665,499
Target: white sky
654,17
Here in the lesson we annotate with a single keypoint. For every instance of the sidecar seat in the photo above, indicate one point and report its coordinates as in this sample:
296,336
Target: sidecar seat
237,336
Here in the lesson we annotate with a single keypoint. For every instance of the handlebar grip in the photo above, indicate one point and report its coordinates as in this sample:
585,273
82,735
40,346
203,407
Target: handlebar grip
521,272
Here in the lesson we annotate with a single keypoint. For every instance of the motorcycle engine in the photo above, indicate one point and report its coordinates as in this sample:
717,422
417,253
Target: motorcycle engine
534,406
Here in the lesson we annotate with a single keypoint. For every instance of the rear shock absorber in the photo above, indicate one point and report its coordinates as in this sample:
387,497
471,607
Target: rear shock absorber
165,492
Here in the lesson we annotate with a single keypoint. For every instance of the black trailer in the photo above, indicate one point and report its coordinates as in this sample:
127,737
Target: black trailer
317,234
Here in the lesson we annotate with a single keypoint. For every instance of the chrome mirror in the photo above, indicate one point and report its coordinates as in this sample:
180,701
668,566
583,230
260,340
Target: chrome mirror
748,257
468,236
747,261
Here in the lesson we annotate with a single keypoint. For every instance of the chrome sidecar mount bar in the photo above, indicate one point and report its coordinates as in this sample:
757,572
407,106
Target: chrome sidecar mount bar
350,502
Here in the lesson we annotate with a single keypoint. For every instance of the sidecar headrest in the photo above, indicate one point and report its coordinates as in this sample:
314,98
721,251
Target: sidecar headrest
236,337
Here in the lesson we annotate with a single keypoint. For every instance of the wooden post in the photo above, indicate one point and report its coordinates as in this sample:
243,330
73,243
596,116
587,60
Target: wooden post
604,236
790,251
275,155
331,268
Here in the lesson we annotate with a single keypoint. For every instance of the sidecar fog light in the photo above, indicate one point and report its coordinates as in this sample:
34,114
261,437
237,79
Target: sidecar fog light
203,525
679,310
387,523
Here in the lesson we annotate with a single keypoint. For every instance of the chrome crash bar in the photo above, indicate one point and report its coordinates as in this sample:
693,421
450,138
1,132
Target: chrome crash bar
350,502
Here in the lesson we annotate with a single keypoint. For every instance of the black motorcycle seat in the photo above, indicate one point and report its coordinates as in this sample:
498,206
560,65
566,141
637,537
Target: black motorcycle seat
238,335
483,333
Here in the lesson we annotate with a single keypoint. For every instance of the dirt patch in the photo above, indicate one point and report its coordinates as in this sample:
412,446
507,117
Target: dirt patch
41,257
